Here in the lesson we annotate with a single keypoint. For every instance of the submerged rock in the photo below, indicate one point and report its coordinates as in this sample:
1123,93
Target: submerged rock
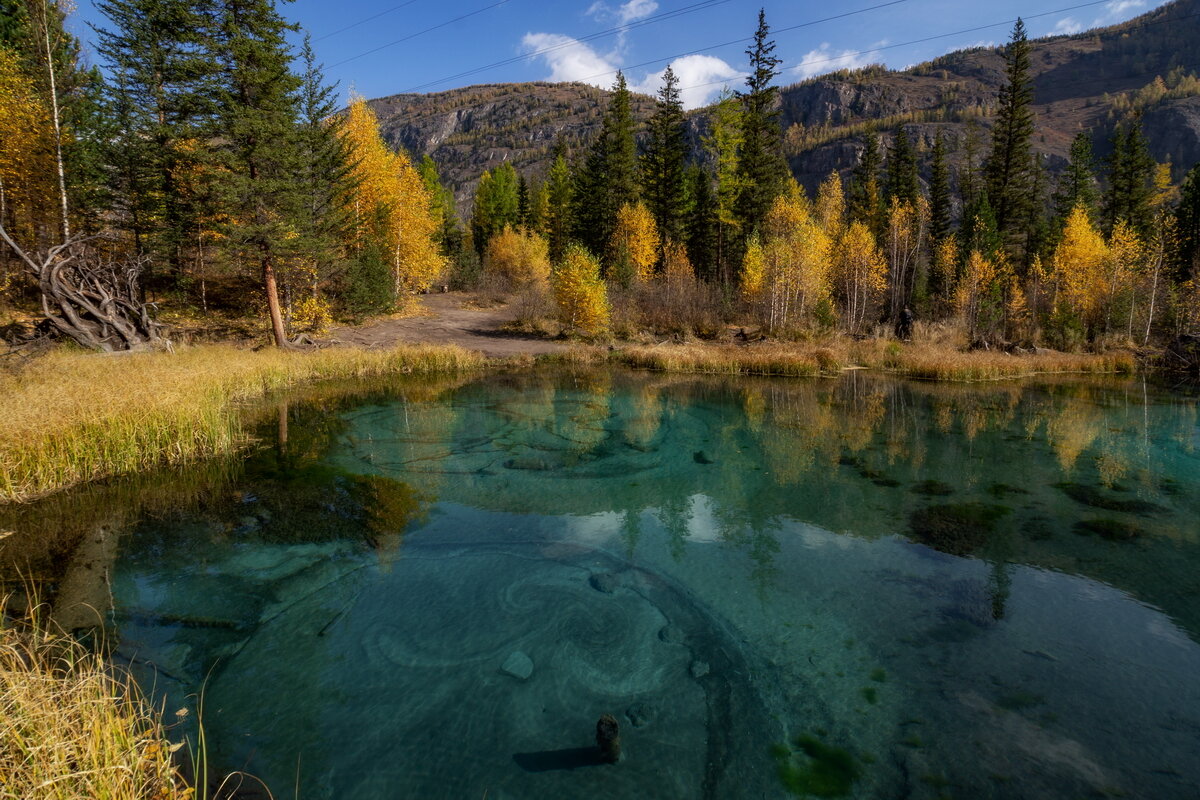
608,739
932,488
1111,529
518,665
700,458
640,714
955,528
1091,496
699,669
604,582
672,634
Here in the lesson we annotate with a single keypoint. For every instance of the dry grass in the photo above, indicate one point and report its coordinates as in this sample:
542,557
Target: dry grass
72,728
72,417
922,360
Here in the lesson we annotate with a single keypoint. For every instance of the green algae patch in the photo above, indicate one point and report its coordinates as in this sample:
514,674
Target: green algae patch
956,528
931,488
870,694
817,770
1096,498
1111,529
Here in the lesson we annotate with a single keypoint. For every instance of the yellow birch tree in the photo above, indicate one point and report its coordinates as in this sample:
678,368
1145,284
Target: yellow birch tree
579,291
636,235
861,274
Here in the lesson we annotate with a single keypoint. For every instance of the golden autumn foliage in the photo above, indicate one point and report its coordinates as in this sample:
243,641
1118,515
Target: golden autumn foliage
636,235
677,269
860,274
521,257
391,204
796,253
754,271
979,283
26,153
830,207
1079,263
580,293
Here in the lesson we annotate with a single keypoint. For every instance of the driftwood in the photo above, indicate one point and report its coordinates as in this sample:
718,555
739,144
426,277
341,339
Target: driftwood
90,298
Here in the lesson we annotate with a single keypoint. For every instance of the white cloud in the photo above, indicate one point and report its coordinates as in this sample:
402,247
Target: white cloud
570,59
624,13
1068,26
1117,11
824,59
700,79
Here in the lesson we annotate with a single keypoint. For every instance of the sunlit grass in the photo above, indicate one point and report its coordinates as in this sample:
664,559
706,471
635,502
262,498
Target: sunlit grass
73,728
72,417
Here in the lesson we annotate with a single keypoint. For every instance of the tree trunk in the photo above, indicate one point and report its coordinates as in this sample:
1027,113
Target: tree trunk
272,288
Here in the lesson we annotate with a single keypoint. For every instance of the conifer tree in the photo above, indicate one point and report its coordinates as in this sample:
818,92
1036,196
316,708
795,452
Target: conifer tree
497,204
260,150
1187,226
902,184
524,208
560,201
1130,181
450,235
1077,183
724,145
663,166
866,197
162,57
939,192
1008,176
762,165
703,242
609,178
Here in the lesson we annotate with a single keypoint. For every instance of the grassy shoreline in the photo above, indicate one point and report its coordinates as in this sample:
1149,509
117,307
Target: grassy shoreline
73,417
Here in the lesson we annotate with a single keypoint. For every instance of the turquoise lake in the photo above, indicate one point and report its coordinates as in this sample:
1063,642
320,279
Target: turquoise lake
860,587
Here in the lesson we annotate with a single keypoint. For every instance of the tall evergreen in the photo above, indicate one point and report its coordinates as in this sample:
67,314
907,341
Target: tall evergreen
703,225
1008,172
1130,180
901,182
161,56
260,149
609,177
497,204
663,166
763,167
1077,183
450,234
524,209
1037,225
866,197
939,192
326,171
1187,221
560,221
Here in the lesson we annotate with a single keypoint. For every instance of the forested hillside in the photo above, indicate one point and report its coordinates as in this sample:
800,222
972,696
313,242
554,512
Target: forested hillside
1084,82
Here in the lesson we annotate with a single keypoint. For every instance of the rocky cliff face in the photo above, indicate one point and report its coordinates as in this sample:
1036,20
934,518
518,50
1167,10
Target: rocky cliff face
1079,81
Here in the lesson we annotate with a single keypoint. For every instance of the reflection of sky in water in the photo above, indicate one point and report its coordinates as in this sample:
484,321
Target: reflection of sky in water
973,591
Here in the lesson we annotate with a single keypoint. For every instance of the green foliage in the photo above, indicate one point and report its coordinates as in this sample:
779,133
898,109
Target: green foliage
902,169
1077,183
1008,176
939,193
663,166
1187,222
497,204
450,235
702,224
762,165
609,177
866,197
560,200
369,288
1130,181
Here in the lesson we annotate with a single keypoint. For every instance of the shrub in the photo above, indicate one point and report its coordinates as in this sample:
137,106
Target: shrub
581,295
518,256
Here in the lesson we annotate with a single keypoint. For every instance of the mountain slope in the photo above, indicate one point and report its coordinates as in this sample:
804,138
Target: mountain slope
1087,81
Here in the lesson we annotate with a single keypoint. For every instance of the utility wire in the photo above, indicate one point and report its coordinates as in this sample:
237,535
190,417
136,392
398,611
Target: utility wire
702,6
419,33
365,20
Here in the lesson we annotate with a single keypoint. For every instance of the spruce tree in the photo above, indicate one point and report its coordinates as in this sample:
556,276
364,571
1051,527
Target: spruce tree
609,177
260,144
901,183
1130,181
763,166
663,166
1077,183
161,56
1008,171
560,196
524,209
939,192
866,199
703,225
1187,221
325,174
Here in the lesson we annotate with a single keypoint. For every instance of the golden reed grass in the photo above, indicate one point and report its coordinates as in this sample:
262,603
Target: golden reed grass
72,417
74,728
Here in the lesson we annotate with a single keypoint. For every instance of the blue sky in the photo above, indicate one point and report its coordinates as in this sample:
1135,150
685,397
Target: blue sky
382,47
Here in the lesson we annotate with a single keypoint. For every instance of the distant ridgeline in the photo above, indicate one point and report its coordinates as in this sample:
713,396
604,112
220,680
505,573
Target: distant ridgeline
1088,81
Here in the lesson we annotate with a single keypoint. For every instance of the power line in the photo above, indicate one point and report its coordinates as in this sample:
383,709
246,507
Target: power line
365,20
701,6
744,39
419,33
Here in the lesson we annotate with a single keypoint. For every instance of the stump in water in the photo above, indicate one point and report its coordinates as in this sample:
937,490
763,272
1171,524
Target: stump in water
608,739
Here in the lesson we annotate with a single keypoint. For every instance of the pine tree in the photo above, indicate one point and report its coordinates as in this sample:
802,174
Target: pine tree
260,149
325,177
161,56
1008,176
902,184
939,193
763,167
702,225
664,162
1077,183
560,201
609,178
866,199
1130,181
